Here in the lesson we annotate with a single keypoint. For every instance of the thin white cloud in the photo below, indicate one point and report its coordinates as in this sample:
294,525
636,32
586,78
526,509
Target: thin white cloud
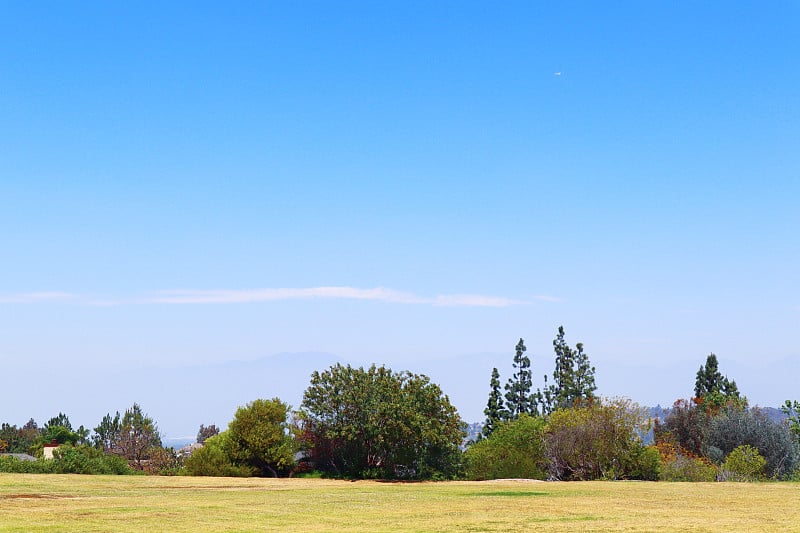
36,297
238,296
380,294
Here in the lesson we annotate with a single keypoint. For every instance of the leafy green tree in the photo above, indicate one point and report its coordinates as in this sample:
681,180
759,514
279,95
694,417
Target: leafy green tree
514,450
573,377
495,411
260,436
377,423
519,399
792,412
714,390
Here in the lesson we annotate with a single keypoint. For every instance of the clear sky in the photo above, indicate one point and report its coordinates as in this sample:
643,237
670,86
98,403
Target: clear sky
410,183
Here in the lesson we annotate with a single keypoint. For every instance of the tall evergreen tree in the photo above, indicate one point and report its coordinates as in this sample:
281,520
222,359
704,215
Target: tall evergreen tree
584,375
495,411
713,389
573,377
518,389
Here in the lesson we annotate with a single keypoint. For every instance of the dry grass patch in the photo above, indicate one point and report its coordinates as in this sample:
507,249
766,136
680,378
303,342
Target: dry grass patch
108,503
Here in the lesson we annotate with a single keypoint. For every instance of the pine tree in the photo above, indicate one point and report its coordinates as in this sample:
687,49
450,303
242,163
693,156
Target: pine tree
573,377
713,389
495,412
518,389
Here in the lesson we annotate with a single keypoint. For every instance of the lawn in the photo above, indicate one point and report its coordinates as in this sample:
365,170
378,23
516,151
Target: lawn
108,503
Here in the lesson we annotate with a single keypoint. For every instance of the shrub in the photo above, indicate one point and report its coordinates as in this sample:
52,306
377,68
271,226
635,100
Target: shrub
515,449
734,427
597,441
214,460
87,460
744,463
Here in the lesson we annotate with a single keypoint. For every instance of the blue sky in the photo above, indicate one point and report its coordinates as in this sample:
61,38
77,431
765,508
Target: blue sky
405,183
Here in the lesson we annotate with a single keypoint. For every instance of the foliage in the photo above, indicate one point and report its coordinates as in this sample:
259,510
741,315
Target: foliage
679,464
514,450
206,432
792,412
87,460
213,459
735,426
595,441
519,399
134,437
259,436
685,426
18,440
107,433
573,377
378,423
744,463
495,412
712,389
68,459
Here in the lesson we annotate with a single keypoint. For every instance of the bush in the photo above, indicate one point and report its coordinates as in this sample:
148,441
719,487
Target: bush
213,459
87,460
744,463
69,460
644,463
734,427
597,441
12,465
515,449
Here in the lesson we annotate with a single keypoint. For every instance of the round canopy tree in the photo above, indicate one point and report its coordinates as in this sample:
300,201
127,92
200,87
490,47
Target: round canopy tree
377,423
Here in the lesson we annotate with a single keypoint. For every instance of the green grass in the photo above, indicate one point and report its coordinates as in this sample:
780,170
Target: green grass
108,503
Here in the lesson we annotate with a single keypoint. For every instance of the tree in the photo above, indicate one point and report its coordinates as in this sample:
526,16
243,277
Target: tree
495,412
519,399
686,427
376,423
107,433
60,420
712,389
792,412
205,432
514,450
59,429
573,377
259,435
134,437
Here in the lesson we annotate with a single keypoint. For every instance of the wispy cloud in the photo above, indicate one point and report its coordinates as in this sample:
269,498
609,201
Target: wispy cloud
239,296
37,297
347,293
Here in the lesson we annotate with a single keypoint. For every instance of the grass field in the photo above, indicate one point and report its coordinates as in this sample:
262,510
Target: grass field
106,503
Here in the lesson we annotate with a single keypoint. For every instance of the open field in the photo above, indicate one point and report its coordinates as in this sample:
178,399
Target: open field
106,503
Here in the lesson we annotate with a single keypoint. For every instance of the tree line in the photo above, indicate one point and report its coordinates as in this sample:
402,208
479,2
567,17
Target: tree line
373,422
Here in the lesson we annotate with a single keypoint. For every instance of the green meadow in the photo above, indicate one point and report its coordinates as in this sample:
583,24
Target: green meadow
139,503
